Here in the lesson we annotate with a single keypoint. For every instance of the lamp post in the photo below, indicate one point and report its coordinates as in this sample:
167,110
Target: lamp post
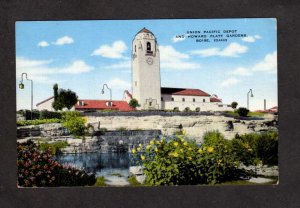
251,95
102,92
21,86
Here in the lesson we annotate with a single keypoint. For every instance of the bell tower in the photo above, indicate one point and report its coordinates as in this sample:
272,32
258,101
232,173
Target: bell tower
146,70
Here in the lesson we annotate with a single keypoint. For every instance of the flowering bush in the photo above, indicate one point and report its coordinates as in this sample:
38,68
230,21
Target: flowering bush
179,161
39,169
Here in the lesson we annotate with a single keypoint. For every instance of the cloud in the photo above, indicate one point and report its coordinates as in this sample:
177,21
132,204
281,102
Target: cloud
241,71
170,59
39,70
43,44
232,50
176,39
63,40
251,39
115,51
119,84
230,82
268,64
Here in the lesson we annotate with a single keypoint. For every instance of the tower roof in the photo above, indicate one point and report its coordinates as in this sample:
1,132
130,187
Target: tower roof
145,30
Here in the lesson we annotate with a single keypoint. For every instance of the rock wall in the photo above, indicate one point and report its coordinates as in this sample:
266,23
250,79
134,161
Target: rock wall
195,126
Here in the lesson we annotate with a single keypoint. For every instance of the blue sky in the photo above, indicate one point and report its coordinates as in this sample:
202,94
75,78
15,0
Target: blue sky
83,55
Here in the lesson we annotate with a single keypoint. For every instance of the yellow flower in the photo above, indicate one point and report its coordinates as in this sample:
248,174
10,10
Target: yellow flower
185,143
152,142
175,144
200,151
143,157
190,158
250,150
140,145
182,140
190,148
175,154
183,132
138,149
181,150
148,147
157,142
210,149
133,151
156,150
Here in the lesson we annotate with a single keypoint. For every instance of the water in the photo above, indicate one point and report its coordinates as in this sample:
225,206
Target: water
113,166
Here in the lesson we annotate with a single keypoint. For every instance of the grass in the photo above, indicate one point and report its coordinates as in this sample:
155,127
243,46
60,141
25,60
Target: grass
100,182
38,121
133,182
250,114
55,148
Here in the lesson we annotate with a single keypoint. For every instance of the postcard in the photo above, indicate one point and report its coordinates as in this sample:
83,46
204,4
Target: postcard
113,103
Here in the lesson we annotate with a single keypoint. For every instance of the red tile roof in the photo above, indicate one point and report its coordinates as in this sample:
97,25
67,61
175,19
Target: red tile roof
102,105
214,99
128,94
183,91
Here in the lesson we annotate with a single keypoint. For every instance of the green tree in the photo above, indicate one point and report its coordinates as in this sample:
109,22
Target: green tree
234,104
63,98
134,103
242,112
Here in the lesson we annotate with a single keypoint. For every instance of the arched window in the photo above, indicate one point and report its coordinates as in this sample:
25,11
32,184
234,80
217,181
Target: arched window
183,99
148,46
135,48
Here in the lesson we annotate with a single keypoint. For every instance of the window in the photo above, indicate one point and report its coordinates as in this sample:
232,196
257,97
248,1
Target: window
135,83
162,99
172,99
148,46
204,100
183,99
194,100
150,103
135,48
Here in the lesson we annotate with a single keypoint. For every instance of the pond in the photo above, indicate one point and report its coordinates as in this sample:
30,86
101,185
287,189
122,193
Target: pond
113,166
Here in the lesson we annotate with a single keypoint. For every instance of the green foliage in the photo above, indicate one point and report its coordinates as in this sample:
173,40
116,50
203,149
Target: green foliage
134,103
37,168
74,123
54,148
37,122
179,161
27,114
100,181
242,112
133,182
63,98
121,129
234,104
255,148
44,114
213,137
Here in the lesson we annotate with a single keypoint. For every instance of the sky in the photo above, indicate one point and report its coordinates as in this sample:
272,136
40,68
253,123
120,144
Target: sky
84,55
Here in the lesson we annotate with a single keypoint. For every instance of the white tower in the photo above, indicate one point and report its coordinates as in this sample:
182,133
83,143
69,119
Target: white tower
146,70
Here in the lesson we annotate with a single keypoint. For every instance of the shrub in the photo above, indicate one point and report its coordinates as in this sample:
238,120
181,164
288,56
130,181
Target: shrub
74,123
37,122
133,182
27,114
54,148
254,148
234,104
44,114
213,138
242,112
100,181
179,161
134,103
37,168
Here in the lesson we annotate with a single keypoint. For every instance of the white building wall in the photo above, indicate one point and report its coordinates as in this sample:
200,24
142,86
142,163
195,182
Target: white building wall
168,104
47,105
